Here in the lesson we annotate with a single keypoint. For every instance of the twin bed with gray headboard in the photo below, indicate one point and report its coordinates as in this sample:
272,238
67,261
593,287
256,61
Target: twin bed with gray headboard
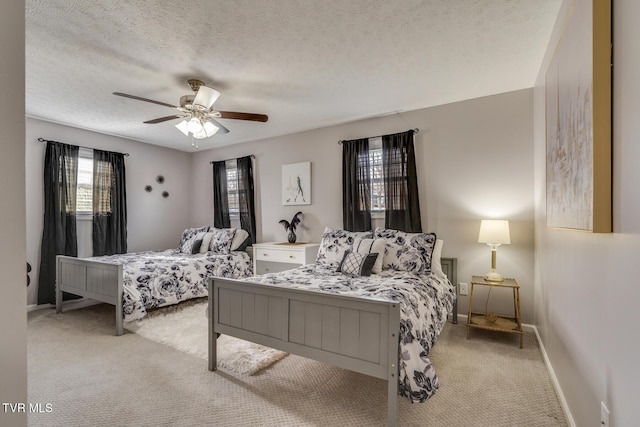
367,325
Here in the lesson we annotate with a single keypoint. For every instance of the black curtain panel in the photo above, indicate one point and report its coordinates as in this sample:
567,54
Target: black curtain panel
109,204
59,235
402,205
356,185
246,201
220,196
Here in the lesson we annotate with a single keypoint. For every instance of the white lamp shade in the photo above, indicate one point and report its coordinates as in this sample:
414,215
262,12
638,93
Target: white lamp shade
182,126
200,135
205,97
210,129
194,125
494,231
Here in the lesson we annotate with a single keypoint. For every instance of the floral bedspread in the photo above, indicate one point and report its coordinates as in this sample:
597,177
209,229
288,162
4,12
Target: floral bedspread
425,300
155,279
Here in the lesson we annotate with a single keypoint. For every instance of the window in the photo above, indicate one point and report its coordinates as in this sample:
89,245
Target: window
376,176
84,189
232,188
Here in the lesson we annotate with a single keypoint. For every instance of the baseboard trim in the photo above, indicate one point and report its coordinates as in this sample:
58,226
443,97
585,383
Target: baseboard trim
67,305
554,379
462,319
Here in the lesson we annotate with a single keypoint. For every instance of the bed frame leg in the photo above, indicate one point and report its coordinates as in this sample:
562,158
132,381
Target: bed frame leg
58,290
392,411
392,378
213,342
119,329
58,300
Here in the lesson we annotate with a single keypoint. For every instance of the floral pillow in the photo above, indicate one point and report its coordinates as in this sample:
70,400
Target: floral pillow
189,238
407,251
221,240
335,243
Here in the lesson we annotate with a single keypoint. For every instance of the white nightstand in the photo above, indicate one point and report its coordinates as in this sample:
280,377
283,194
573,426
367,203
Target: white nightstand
273,257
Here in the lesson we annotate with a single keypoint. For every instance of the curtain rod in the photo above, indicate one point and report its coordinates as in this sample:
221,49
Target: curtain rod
416,130
253,156
49,140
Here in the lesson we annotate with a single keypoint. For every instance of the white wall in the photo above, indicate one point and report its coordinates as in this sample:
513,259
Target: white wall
153,222
474,161
587,292
13,282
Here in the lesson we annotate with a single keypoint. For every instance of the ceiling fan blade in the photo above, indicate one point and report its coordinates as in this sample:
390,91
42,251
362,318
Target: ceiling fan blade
164,119
139,98
206,96
243,116
221,129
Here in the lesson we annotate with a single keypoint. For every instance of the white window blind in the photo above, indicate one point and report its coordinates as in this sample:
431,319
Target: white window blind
375,175
84,191
232,188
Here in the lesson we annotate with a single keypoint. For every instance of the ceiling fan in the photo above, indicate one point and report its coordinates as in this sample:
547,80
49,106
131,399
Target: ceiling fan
199,118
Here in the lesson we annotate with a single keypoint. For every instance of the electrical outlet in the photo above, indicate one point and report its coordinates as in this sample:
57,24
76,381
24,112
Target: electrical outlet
464,288
604,415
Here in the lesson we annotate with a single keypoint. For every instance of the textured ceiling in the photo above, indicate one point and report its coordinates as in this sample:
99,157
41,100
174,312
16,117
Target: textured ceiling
307,64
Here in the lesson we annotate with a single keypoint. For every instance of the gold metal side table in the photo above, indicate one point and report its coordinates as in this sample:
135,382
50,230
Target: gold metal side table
512,325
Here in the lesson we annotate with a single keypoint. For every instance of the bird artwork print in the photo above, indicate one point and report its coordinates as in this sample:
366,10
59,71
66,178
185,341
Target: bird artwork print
290,227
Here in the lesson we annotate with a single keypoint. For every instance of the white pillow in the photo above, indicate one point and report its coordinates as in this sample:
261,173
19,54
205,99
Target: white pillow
370,246
239,238
436,265
206,241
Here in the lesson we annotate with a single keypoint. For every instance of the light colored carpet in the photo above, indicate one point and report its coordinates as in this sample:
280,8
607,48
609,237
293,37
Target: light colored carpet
93,378
184,327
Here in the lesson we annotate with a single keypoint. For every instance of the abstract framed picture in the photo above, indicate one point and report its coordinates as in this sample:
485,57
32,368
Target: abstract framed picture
578,121
296,184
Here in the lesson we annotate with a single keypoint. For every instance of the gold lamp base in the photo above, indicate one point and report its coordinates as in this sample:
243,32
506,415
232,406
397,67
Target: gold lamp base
493,276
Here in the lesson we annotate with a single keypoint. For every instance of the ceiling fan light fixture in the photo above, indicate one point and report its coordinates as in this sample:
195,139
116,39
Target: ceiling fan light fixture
195,125
200,135
210,129
195,110
183,127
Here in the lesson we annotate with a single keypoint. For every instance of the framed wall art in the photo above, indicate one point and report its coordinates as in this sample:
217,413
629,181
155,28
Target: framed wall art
296,184
578,121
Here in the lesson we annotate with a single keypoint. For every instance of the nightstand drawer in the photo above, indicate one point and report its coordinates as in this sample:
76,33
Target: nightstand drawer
270,254
278,256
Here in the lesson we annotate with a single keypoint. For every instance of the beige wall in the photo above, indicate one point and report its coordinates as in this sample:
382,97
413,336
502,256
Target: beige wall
13,282
474,161
587,293
153,222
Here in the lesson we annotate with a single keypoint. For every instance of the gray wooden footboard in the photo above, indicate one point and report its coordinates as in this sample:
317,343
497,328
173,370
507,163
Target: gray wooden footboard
353,333
97,280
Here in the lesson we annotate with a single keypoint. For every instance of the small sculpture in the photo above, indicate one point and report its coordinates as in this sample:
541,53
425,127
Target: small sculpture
290,227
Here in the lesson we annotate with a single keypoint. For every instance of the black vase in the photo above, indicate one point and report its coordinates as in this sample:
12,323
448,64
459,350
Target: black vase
291,236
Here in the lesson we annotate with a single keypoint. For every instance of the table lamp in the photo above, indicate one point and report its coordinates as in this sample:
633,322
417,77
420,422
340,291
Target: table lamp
494,232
